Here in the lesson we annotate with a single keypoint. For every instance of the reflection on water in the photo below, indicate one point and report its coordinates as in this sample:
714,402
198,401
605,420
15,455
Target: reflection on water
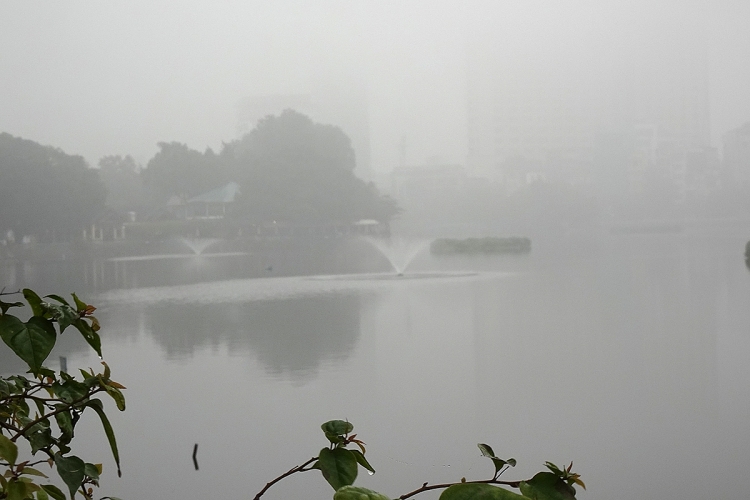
630,360
290,337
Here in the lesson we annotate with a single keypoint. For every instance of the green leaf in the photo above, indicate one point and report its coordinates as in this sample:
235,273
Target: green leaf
357,493
31,341
71,470
97,406
91,471
80,305
499,462
53,491
30,471
89,335
42,495
64,315
478,491
57,298
4,306
16,490
361,460
554,468
339,466
5,388
71,390
65,423
34,301
8,450
486,450
116,395
337,427
40,435
547,486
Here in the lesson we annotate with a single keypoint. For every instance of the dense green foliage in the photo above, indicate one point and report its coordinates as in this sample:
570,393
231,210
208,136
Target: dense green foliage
45,192
447,246
42,409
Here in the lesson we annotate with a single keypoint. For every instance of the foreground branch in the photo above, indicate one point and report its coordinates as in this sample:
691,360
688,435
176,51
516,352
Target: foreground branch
426,487
294,470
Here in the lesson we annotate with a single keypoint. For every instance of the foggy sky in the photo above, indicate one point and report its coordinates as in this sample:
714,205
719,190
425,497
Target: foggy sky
99,78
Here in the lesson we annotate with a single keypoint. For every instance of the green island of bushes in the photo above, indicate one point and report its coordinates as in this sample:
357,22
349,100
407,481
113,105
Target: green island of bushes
447,246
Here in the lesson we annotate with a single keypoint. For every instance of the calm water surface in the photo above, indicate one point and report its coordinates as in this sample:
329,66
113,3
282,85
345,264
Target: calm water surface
630,359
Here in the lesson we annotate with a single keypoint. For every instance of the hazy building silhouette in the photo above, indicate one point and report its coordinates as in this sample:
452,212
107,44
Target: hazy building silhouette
524,115
736,155
550,107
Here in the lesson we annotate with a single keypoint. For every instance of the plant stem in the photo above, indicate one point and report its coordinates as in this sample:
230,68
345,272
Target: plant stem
294,470
71,406
426,487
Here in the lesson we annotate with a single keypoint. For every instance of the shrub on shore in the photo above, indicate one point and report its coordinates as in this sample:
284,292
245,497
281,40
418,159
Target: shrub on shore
488,245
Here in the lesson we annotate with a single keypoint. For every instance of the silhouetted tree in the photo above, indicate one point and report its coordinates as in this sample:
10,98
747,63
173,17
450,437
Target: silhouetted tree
121,177
44,191
181,171
294,170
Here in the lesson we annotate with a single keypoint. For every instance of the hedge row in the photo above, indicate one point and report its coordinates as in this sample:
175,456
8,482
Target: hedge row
446,246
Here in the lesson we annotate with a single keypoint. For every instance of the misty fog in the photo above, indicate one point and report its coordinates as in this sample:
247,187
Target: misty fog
513,222
99,79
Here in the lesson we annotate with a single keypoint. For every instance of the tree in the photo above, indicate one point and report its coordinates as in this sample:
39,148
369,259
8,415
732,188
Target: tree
44,191
294,170
177,170
121,178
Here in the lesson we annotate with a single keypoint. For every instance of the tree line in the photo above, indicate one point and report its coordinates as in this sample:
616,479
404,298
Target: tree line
289,168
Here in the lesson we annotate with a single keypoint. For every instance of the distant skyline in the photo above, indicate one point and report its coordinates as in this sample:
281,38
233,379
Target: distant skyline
98,78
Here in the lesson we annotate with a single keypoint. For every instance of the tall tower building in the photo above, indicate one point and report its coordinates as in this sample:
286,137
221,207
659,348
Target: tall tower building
737,155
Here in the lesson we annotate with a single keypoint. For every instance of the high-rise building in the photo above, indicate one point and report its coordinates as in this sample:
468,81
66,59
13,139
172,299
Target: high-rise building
736,155
525,116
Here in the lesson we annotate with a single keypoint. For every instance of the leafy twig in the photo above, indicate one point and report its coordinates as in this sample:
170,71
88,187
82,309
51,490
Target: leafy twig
294,470
426,487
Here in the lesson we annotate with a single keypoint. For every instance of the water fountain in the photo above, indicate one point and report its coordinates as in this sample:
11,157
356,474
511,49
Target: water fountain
399,252
198,245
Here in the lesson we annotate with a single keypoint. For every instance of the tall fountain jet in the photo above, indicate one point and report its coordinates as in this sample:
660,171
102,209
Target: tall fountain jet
198,245
399,252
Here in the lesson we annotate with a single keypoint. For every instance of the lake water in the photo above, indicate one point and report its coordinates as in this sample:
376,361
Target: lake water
630,358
